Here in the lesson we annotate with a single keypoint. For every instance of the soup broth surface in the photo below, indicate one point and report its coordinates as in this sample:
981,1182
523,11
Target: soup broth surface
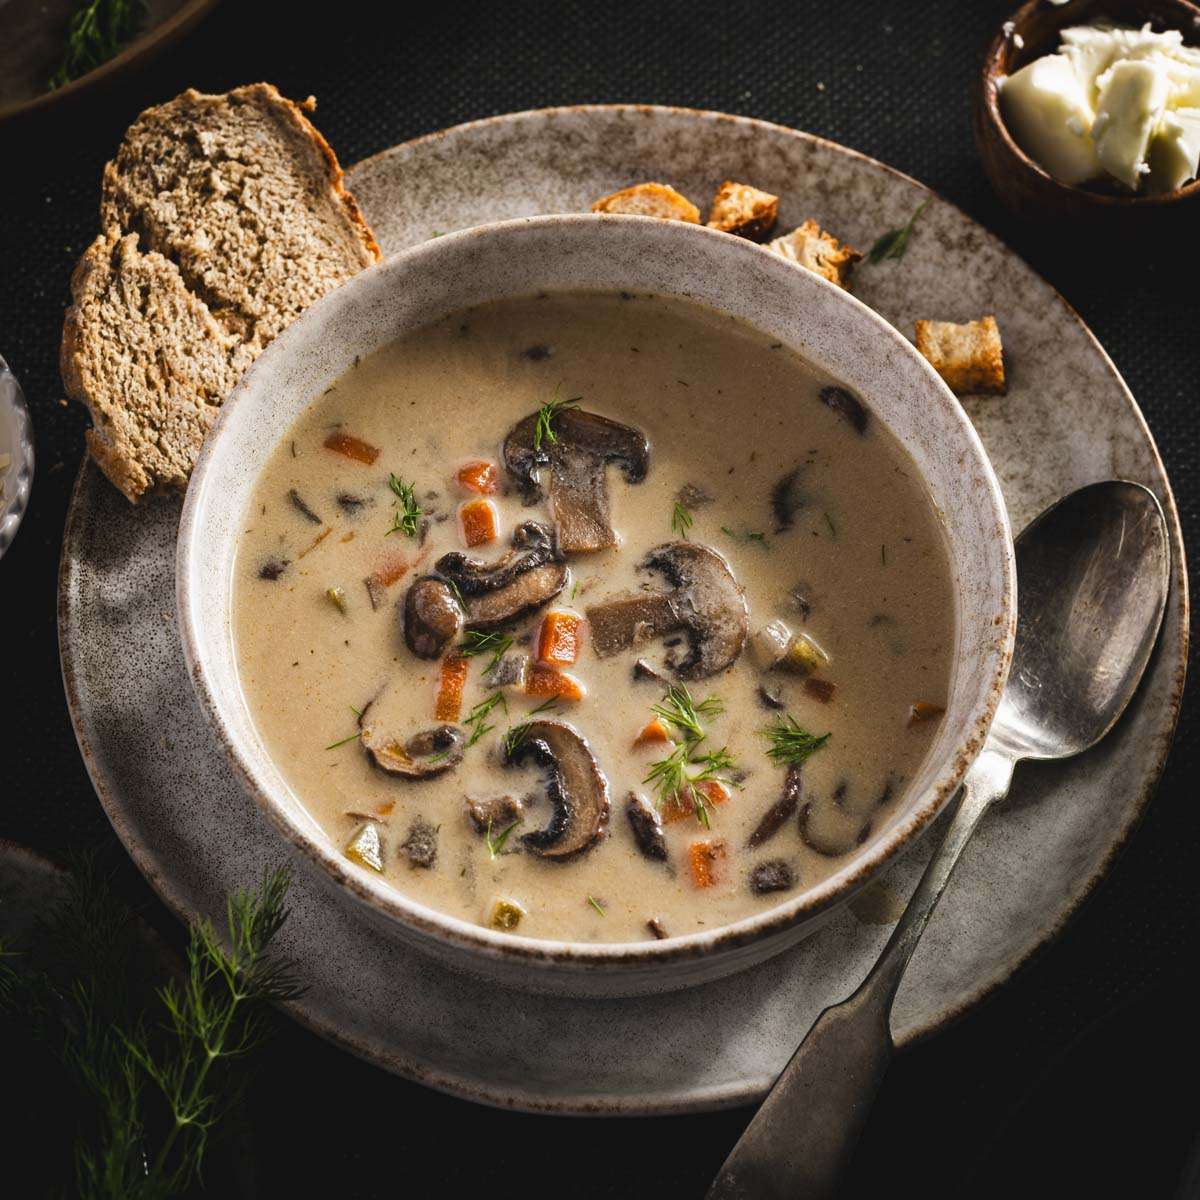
820,517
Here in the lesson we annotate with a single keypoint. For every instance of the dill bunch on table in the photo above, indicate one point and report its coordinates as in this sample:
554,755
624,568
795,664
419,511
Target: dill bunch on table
155,1069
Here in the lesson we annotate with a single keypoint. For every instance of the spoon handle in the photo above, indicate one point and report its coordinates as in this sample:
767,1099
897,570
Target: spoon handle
801,1139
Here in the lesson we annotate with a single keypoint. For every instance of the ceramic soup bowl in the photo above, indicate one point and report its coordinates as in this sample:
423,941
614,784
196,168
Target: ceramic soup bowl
827,326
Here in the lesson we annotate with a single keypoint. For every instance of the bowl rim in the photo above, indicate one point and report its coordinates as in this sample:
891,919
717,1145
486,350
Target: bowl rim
429,923
993,68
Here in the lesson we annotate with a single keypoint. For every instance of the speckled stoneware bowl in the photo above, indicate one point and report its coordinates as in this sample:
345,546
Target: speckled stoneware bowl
828,327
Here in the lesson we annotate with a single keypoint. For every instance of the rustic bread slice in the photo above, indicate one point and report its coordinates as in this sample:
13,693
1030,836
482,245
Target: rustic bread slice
969,357
650,200
811,247
743,210
246,197
149,361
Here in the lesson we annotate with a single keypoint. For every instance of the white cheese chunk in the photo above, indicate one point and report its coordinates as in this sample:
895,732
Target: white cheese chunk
1174,155
1047,111
1133,95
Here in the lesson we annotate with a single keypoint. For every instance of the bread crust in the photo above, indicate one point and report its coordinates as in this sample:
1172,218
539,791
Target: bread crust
153,388
650,200
812,247
743,210
969,357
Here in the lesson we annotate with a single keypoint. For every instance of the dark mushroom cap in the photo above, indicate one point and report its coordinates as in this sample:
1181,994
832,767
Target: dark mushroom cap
432,616
647,827
424,756
709,603
575,785
578,454
783,808
528,576
831,831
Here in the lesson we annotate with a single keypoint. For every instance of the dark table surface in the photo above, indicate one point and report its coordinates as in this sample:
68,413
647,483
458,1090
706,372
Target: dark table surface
1067,1080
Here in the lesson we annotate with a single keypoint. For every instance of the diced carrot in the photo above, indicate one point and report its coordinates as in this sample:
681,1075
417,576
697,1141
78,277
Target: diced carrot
385,808
922,712
655,731
390,570
683,803
707,862
819,689
479,476
478,521
541,680
352,447
561,638
450,689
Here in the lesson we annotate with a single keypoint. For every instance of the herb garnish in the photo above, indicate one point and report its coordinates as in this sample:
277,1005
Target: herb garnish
596,905
518,733
496,845
790,743
479,714
543,429
407,517
678,774
681,519
156,1066
757,536
353,736
495,644
98,30
894,243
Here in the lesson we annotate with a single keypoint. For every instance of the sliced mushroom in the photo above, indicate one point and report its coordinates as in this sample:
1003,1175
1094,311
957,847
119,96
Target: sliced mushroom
494,813
706,602
421,845
647,827
779,812
575,785
830,830
578,452
774,875
432,616
528,576
425,755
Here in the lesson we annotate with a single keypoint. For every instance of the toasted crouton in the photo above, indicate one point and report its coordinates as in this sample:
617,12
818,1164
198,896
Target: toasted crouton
821,252
650,200
968,357
743,210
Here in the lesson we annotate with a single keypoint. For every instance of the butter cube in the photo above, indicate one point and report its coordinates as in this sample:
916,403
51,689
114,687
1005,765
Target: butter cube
1133,95
1174,155
1047,110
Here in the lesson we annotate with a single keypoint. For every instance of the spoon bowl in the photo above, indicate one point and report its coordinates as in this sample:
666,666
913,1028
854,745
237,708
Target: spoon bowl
1093,572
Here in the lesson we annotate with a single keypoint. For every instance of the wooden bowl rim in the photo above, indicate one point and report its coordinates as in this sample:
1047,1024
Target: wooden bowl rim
992,71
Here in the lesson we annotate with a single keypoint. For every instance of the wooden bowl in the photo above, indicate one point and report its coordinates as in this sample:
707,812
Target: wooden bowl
1025,187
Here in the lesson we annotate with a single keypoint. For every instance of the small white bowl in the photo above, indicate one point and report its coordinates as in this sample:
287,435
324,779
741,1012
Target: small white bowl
518,258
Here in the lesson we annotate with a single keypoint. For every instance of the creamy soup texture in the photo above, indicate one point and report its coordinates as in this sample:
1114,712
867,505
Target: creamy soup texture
687,518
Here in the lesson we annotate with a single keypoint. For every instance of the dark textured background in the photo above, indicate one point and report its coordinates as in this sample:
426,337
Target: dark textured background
1067,1081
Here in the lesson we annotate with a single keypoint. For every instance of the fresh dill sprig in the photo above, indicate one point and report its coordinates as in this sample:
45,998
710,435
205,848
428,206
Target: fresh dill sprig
543,427
475,643
681,519
791,743
596,905
477,717
160,1069
518,733
894,243
408,514
496,845
354,736
681,710
98,30
685,767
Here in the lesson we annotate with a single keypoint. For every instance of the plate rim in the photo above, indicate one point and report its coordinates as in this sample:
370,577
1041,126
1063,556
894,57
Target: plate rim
744,1091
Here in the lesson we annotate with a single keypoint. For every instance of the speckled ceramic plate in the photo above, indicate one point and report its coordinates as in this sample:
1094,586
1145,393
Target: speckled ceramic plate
1068,420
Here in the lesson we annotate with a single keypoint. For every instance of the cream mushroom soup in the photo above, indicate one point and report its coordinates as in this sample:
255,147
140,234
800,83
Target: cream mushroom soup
593,617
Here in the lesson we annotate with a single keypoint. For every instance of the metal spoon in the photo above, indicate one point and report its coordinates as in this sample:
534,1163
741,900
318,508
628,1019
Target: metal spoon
1092,575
